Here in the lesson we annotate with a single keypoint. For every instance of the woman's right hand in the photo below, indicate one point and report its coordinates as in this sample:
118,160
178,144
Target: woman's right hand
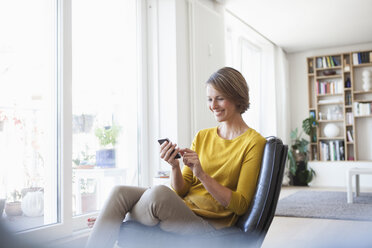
168,152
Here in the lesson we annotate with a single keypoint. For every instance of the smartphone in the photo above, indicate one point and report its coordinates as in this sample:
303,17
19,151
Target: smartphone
161,141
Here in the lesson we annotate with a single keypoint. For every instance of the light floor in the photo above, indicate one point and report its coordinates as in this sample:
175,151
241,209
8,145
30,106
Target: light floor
309,232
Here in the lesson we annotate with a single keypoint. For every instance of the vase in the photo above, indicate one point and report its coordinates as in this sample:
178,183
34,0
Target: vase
33,204
298,179
13,208
331,130
367,85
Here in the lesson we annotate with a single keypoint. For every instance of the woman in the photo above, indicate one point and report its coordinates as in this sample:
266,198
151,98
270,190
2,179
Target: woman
214,188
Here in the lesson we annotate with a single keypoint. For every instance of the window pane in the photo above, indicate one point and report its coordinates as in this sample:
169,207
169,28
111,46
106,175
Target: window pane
104,100
28,143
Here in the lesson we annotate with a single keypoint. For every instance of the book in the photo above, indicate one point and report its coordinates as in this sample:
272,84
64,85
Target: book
331,151
337,142
324,153
322,150
349,136
342,150
317,87
319,63
328,62
331,60
366,57
337,61
355,59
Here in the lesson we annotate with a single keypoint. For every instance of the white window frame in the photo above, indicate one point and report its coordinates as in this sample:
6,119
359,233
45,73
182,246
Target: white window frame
70,226
235,27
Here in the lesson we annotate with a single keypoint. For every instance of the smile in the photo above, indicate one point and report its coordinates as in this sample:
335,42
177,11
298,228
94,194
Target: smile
218,112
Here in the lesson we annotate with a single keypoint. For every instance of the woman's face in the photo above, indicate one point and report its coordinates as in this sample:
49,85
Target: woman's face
222,108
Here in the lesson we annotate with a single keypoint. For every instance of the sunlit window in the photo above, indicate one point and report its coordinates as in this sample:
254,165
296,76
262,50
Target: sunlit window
104,81
104,137
28,137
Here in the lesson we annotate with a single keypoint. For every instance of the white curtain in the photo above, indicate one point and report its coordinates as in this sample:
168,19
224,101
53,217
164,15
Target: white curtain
282,95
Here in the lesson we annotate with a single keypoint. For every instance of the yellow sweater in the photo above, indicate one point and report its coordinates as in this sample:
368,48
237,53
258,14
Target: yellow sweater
235,164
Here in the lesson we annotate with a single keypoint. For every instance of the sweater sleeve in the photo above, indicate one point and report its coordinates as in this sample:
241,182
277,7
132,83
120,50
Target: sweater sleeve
242,196
187,174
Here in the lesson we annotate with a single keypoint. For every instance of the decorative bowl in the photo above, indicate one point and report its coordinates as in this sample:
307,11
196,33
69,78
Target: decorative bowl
329,72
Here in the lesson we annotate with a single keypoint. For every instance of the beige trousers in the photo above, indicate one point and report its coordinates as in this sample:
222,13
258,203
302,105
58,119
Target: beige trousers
156,205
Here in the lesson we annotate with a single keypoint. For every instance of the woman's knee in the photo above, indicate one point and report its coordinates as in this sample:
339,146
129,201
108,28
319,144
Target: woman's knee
116,190
160,193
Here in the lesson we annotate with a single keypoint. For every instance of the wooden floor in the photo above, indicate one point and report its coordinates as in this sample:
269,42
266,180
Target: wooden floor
291,232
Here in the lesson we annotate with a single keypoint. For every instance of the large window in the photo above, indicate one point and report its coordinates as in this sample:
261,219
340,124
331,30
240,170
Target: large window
28,113
104,91
66,60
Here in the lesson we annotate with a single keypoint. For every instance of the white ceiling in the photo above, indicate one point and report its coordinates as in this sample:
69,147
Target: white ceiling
299,25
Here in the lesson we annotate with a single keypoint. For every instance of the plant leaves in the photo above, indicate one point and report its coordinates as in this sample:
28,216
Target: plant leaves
292,163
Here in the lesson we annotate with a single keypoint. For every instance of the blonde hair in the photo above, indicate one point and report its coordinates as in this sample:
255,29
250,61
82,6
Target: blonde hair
232,85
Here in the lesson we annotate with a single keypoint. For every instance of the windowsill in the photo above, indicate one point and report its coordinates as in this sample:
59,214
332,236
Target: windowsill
22,223
77,239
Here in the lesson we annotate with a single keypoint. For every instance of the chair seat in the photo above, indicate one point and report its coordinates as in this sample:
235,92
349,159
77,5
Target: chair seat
134,234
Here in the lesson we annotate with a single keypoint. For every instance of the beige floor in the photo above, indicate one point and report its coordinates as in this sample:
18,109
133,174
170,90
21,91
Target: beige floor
308,232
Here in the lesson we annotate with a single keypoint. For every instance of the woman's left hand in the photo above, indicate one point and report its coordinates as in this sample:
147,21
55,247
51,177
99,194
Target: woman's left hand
191,159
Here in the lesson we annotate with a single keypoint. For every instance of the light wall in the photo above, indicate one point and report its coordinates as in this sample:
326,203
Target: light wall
198,52
190,39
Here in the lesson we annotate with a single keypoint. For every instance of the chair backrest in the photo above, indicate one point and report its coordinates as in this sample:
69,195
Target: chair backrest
262,209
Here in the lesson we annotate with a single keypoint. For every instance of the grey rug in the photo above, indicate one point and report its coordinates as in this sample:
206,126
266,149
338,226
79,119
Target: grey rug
326,205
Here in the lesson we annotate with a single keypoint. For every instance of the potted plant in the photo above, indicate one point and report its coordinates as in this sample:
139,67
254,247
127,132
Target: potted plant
13,207
309,126
300,174
84,160
107,136
88,195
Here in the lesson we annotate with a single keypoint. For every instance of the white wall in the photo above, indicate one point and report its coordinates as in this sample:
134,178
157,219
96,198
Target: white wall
328,173
207,50
189,36
200,52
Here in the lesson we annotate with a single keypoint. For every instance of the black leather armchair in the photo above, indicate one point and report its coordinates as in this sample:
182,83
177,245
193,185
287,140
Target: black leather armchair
250,229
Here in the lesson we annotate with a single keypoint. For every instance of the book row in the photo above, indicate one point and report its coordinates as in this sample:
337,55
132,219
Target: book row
329,87
349,118
333,150
327,61
362,108
363,57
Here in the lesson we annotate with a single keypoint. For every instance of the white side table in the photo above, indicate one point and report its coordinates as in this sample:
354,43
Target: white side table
350,173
